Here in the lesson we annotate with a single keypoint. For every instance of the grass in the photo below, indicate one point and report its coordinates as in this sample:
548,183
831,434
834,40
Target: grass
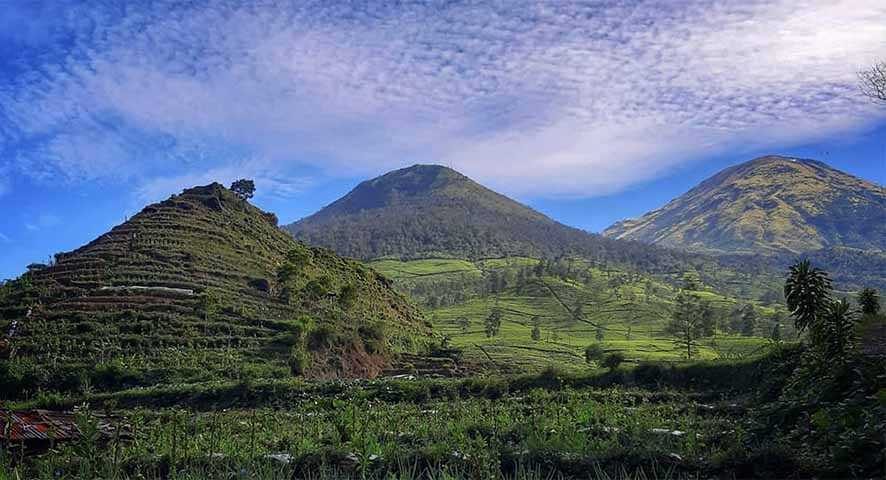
630,309
489,428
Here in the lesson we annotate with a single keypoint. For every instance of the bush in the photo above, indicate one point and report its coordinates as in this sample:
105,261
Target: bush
613,360
593,353
115,375
299,360
649,374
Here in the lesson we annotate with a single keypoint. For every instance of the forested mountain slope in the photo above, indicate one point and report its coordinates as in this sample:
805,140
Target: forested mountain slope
427,211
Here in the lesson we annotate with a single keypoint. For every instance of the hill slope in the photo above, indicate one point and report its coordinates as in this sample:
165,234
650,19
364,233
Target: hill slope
770,205
429,211
202,286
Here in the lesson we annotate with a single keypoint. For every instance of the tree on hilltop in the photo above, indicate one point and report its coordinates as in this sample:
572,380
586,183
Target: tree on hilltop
873,82
244,188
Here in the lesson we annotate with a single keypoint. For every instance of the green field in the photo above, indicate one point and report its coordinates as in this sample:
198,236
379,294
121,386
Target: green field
630,311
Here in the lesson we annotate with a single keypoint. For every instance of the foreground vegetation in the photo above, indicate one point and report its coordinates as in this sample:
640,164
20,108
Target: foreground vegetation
645,422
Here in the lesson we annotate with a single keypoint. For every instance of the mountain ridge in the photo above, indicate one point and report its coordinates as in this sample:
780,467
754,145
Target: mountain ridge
771,205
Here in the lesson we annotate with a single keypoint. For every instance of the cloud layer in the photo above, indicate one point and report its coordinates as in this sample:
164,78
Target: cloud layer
547,98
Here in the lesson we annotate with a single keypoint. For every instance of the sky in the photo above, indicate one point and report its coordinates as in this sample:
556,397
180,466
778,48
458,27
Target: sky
590,111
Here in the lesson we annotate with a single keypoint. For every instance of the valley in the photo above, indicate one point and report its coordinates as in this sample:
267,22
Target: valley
572,303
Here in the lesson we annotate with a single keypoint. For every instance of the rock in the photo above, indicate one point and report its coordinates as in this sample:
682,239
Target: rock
282,458
349,461
665,431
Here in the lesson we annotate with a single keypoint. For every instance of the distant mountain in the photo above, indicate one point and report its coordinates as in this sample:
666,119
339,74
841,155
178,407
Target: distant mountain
430,210
771,205
202,286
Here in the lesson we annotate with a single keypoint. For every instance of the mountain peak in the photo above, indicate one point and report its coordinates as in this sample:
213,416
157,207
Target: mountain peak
425,210
770,204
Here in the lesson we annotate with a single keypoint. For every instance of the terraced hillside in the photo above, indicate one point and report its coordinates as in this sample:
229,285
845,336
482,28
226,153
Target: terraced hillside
552,310
200,287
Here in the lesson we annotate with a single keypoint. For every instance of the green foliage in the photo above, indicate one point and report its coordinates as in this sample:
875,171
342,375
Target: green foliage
838,330
771,205
493,322
748,320
243,188
594,353
613,360
687,323
420,213
807,292
869,301
191,290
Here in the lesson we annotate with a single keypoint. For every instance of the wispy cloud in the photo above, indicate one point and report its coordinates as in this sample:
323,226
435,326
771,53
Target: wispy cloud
4,238
43,221
544,97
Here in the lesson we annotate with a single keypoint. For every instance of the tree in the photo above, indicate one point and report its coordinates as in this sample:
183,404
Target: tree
613,360
348,297
600,333
686,323
869,301
493,322
593,353
838,323
748,320
691,281
244,188
463,323
775,334
536,333
708,322
807,292
578,310
873,82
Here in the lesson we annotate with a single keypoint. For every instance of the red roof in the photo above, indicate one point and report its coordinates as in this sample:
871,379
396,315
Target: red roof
25,425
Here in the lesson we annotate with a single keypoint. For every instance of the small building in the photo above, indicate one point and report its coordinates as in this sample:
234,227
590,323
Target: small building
37,428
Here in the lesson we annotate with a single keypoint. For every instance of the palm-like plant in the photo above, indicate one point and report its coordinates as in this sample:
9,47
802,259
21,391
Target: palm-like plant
839,328
807,292
869,301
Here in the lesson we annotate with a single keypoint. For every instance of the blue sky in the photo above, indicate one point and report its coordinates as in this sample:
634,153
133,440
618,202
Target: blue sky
589,111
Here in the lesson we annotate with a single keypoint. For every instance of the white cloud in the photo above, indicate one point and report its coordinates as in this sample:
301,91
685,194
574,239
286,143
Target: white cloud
269,181
543,98
43,221
5,239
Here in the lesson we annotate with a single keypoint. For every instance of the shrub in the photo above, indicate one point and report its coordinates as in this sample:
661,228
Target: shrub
594,353
613,360
299,360
649,374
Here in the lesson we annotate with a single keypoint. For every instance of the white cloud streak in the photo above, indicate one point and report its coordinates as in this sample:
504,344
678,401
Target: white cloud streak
546,98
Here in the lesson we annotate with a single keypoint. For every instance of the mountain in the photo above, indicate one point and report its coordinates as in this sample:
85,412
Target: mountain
202,286
427,211
771,205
